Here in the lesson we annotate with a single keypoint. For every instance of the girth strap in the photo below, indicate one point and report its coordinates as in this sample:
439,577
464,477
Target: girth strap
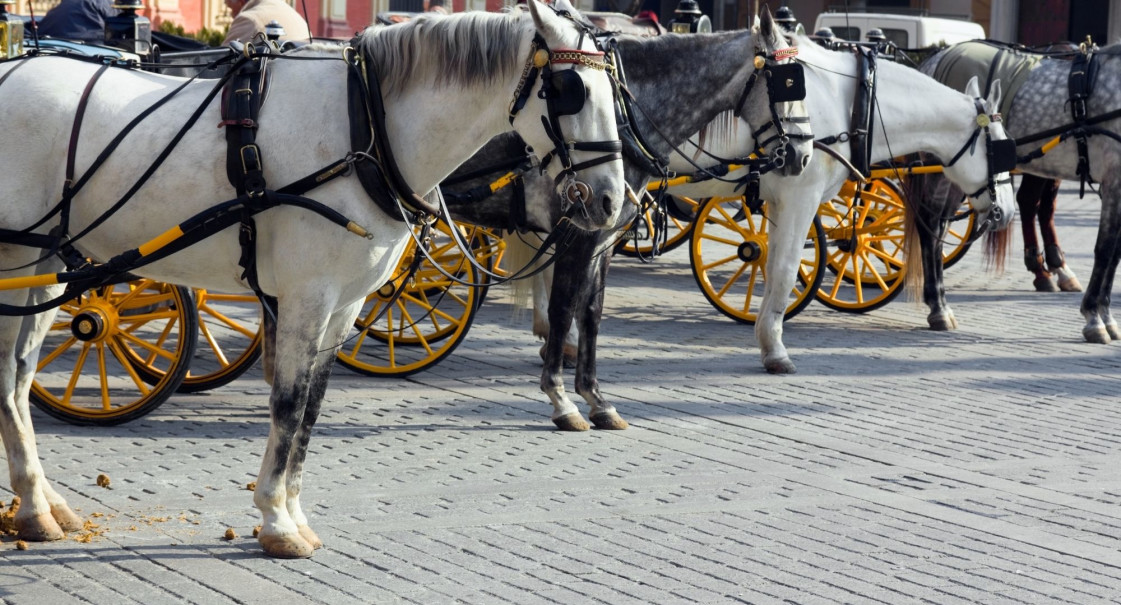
1080,83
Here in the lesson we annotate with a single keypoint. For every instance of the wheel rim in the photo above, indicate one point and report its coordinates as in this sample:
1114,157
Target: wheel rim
426,322
728,255
87,368
230,339
865,257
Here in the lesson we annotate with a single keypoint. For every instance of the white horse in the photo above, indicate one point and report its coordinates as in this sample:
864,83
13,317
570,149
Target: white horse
448,82
912,113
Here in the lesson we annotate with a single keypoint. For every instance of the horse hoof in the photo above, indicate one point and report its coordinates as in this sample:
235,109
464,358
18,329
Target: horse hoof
572,422
1070,285
1044,284
1096,335
780,366
42,528
1113,331
286,546
66,518
609,421
310,537
942,322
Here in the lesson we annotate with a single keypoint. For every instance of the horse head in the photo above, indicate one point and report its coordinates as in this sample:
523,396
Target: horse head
567,89
782,107
982,164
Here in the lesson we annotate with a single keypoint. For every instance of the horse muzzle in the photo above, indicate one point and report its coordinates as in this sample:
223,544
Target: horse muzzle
586,208
796,162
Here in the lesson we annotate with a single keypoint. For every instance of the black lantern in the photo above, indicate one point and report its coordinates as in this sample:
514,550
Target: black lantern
274,31
11,32
688,19
129,31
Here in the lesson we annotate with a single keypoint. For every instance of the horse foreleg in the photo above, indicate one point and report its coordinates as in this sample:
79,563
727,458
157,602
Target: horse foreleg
301,326
571,280
541,295
337,330
43,514
1056,260
791,221
603,415
1100,326
931,229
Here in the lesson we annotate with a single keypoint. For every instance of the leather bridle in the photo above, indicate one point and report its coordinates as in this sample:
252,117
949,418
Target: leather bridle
564,94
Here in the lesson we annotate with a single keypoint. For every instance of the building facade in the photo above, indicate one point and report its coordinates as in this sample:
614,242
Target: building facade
326,18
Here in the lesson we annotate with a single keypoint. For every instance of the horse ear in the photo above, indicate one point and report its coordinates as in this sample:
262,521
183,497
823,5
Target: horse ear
565,5
544,18
994,97
766,22
972,89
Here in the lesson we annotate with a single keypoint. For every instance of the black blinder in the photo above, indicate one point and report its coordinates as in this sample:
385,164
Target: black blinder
786,82
567,92
1002,155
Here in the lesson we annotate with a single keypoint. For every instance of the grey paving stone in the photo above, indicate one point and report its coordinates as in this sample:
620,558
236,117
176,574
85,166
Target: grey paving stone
898,466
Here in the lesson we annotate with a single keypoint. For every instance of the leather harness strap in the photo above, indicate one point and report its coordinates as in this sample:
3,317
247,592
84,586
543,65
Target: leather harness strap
1080,83
382,178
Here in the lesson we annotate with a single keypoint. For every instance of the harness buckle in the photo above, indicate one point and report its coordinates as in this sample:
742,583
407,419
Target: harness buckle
250,158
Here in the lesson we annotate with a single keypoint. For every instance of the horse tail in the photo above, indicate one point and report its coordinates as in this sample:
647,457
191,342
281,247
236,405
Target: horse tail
998,249
520,250
914,193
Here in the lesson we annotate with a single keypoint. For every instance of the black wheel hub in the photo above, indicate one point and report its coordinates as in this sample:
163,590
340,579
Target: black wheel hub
749,252
88,326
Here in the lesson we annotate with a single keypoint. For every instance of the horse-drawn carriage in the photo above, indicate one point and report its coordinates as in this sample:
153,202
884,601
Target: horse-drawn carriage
417,319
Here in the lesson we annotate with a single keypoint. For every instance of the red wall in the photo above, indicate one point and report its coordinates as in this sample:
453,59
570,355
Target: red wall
358,16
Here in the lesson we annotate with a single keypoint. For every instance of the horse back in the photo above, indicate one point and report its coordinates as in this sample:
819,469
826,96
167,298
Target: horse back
987,62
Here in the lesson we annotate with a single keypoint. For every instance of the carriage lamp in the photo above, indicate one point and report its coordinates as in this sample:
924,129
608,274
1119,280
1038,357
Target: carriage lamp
688,19
273,31
11,32
129,31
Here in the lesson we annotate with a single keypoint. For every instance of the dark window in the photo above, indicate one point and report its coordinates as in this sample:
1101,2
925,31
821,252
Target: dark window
408,6
897,37
846,33
1089,18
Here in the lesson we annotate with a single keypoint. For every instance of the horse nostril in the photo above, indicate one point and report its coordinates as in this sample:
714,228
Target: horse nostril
608,206
805,161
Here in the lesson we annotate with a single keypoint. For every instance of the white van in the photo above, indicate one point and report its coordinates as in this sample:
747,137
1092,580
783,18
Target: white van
905,31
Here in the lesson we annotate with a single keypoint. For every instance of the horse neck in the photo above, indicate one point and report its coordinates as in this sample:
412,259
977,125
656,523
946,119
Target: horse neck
915,113
434,129
683,81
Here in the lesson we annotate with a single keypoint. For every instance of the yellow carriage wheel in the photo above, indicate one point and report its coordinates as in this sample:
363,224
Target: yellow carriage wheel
229,343
728,255
427,321
680,214
865,264
956,243
87,372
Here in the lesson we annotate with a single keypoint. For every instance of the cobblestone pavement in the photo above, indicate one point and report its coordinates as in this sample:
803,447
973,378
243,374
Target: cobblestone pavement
899,465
